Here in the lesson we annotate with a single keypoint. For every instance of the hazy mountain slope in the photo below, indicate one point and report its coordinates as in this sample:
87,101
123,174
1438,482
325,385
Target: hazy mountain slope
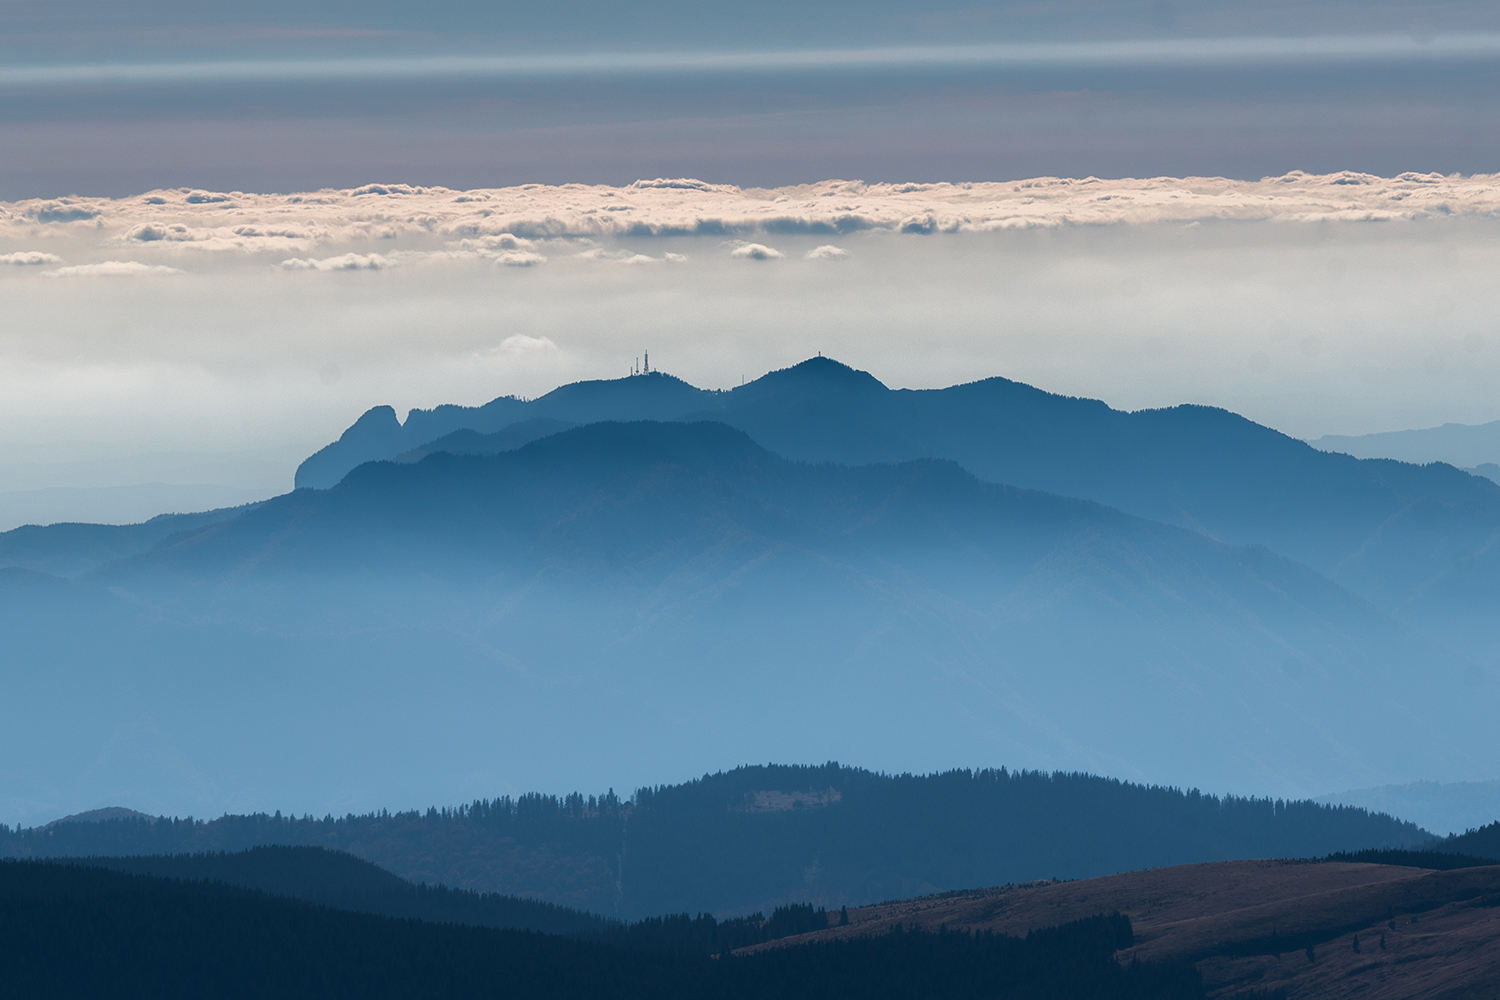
1384,529
467,442
1391,532
70,549
1441,808
755,838
1463,445
678,593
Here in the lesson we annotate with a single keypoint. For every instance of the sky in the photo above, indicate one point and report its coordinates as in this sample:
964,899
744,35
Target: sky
144,365
228,229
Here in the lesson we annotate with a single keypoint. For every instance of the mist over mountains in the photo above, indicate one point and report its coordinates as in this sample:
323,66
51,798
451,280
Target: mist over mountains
808,566
1415,540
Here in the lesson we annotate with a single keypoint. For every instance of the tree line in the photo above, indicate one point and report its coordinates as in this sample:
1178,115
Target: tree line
759,837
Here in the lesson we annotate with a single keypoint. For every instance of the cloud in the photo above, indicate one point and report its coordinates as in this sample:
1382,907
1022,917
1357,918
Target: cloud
756,251
498,241
1381,45
826,252
243,237
343,262
629,256
519,258
522,344
61,210
111,269
508,220
29,257
151,232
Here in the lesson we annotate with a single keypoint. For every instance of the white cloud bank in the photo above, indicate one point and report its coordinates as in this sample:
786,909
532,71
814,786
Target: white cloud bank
756,251
522,344
26,257
112,269
503,221
343,262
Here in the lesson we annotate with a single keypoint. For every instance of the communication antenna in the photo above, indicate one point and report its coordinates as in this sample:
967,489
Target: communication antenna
648,362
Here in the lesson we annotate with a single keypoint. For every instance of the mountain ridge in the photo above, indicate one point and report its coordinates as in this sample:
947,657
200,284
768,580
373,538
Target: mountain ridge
1392,532
761,836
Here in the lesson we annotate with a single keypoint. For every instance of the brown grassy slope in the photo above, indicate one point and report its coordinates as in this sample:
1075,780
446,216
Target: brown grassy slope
1233,917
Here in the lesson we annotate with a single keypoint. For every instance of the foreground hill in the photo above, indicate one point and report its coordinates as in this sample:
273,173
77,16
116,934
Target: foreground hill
341,881
1311,929
1417,540
679,593
344,882
72,931
760,837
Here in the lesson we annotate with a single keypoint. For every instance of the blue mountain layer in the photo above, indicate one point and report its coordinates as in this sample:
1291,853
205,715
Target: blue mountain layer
1421,542
619,598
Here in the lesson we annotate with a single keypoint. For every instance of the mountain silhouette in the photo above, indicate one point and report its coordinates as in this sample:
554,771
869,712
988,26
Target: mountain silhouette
379,435
1394,533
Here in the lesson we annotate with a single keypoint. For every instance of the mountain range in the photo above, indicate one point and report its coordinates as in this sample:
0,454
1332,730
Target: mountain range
1463,445
1419,541
621,576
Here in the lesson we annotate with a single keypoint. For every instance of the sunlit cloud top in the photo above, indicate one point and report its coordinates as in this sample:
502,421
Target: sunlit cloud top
475,219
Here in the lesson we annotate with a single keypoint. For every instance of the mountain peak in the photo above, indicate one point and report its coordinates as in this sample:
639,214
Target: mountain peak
823,373
104,815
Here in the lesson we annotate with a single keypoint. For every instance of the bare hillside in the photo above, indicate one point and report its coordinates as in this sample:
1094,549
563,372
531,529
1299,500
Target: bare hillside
1259,925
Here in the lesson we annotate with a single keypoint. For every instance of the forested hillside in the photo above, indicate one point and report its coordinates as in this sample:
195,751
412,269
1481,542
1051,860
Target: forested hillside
760,837
1483,842
343,881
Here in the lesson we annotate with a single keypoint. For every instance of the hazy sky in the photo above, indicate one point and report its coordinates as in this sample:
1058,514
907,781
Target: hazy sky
219,368
119,96
170,323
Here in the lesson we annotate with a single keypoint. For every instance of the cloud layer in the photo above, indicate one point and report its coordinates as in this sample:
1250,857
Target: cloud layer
32,257
1272,306
112,269
501,221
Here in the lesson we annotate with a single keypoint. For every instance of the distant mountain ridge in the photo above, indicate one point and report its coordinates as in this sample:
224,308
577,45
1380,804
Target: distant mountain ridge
1422,542
71,549
749,839
1463,445
676,585
719,586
